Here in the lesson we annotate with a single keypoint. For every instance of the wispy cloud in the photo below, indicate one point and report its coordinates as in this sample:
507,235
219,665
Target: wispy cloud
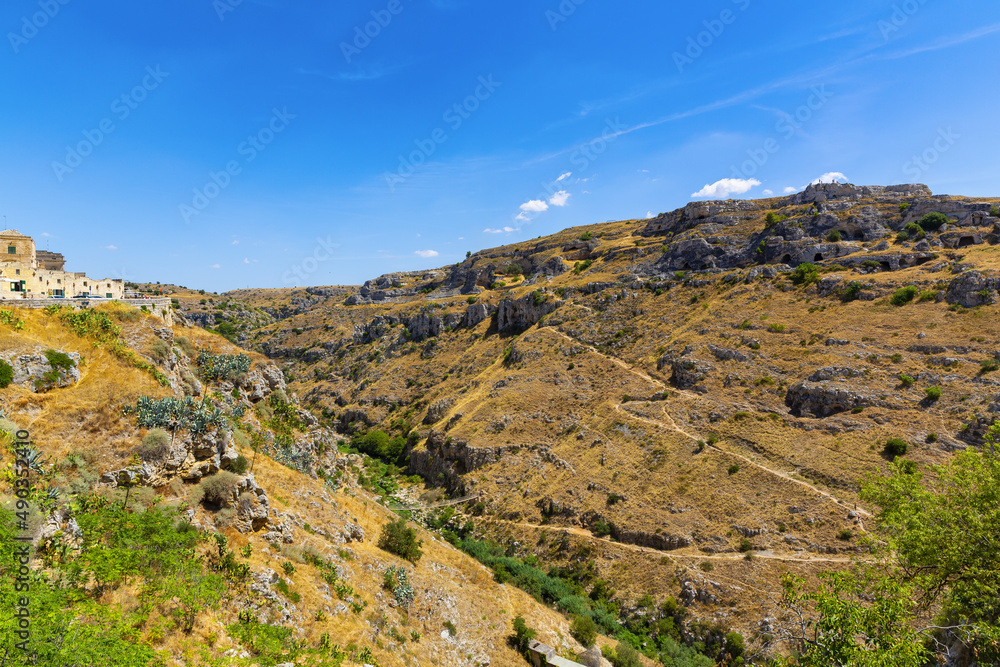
505,230
946,42
111,247
426,254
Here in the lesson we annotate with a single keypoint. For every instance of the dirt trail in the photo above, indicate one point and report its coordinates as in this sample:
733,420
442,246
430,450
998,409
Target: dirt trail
672,425
766,555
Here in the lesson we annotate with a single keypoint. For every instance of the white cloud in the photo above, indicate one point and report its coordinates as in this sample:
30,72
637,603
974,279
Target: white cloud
505,230
790,190
726,187
246,261
564,176
523,217
110,247
427,254
236,241
649,215
215,266
534,206
830,177
560,198
768,193
46,234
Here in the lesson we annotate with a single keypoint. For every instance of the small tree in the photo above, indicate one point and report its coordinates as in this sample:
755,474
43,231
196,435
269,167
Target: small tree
6,374
584,630
523,635
933,221
397,538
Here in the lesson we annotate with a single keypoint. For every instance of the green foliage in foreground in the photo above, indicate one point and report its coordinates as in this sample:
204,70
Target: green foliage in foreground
658,635
933,587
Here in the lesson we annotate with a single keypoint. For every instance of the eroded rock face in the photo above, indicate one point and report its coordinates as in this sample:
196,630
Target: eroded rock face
972,289
822,399
35,372
688,371
522,313
438,410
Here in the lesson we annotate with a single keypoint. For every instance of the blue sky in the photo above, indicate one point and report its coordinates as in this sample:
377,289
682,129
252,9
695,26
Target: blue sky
221,144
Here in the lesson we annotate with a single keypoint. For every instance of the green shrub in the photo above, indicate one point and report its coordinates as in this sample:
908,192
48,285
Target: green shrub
845,534
240,465
851,292
896,447
902,236
933,221
904,295
913,229
155,446
989,366
834,236
733,469
523,635
602,528
625,656
932,438
584,630
185,346
586,236
59,360
805,274
397,538
933,393
6,374
220,487
995,211
928,295
450,627
906,381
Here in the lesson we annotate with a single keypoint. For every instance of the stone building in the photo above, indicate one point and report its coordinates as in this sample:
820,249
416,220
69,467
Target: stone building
27,273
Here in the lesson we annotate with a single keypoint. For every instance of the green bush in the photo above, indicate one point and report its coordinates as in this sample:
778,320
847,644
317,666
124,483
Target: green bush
933,393
986,366
851,292
834,236
584,630
733,469
397,538
59,360
523,635
6,374
933,221
896,447
902,236
240,465
625,656
602,528
155,446
220,487
586,236
805,274
906,381
913,229
904,295
995,211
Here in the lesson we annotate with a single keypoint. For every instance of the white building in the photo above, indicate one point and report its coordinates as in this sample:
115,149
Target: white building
27,273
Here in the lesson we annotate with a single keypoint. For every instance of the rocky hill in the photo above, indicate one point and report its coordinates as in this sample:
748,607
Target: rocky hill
672,392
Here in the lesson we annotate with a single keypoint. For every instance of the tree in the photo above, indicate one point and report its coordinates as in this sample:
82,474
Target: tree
933,221
523,635
584,630
398,539
932,590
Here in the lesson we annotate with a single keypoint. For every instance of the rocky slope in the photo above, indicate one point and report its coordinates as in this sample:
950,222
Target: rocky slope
685,383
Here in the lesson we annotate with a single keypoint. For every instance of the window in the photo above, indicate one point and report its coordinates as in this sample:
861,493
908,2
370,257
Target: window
11,250
17,272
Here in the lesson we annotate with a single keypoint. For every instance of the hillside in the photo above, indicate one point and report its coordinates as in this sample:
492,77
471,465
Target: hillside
646,423
303,579
715,380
